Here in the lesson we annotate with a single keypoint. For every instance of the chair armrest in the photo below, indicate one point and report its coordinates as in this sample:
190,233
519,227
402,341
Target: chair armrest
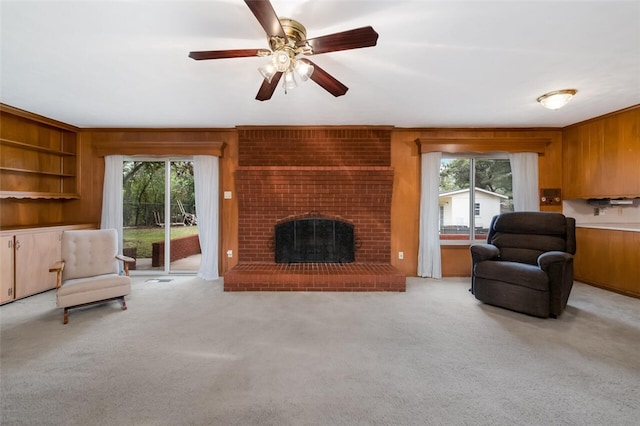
126,260
58,267
545,260
558,265
480,252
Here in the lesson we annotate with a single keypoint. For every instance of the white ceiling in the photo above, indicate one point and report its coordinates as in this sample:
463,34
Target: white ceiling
437,63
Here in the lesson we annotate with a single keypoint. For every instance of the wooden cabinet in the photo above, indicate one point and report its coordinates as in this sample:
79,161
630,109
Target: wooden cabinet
34,254
6,269
26,256
609,259
38,157
601,157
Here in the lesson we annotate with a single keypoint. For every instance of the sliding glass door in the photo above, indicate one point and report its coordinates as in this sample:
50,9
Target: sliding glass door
160,222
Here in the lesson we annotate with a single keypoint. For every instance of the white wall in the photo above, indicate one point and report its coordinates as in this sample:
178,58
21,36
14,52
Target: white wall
584,213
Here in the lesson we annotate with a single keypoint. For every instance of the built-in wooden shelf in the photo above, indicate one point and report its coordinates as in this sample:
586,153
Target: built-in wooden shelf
30,147
37,172
38,195
39,157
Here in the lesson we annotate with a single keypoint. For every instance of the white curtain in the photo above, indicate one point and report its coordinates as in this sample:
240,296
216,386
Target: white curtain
524,177
112,196
206,178
429,262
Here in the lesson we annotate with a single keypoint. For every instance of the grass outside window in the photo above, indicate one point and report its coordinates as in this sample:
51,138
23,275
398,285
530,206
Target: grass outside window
143,238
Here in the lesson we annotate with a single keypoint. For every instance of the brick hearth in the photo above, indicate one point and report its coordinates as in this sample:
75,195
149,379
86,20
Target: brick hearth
314,277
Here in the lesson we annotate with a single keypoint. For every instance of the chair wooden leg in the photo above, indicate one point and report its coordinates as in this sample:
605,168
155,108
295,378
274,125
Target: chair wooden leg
66,316
123,303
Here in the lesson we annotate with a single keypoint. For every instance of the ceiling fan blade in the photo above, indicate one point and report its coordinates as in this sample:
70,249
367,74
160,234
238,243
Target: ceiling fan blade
267,89
352,39
326,80
267,17
222,54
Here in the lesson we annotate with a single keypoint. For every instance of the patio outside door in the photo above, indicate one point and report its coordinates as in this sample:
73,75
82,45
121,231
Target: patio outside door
160,224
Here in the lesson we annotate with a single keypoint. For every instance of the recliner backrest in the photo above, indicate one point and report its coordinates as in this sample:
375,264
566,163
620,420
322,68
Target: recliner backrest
523,236
88,253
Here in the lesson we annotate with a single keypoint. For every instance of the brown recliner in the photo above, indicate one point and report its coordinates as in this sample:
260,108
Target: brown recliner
526,264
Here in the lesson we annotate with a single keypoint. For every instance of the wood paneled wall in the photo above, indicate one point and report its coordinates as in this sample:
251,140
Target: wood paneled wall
96,143
594,156
405,159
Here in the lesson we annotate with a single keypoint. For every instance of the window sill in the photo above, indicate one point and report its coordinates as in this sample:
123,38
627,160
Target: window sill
460,242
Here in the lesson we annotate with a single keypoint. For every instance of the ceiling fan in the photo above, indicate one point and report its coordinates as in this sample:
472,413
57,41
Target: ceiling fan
288,43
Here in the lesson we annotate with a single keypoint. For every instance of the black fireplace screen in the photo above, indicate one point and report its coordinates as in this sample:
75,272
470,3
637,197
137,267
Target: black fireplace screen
314,240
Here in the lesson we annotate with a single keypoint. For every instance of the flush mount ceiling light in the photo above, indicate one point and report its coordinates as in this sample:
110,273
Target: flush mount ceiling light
556,99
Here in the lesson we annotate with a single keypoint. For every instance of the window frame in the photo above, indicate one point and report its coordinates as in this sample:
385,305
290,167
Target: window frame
472,157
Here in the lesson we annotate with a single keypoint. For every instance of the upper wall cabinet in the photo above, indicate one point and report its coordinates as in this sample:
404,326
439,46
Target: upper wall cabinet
601,157
38,157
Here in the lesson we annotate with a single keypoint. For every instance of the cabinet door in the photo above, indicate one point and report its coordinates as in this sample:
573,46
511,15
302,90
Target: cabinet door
590,260
35,253
573,163
6,269
608,259
625,176
599,159
626,267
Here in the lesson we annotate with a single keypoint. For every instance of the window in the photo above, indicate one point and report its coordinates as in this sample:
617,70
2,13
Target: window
466,214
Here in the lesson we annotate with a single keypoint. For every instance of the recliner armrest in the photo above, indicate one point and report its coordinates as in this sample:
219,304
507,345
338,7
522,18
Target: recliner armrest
480,252
545,260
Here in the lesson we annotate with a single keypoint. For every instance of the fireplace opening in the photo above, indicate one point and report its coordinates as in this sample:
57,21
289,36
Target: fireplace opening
314,239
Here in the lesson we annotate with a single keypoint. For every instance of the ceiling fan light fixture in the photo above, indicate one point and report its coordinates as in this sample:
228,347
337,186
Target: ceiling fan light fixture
288,40
556,99
267,71
303,69
289,81
281,60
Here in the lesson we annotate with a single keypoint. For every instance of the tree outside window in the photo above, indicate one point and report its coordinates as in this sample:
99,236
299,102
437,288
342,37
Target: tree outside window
144,188
466,214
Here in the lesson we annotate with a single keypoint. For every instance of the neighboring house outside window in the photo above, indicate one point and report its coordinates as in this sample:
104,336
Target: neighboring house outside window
466,215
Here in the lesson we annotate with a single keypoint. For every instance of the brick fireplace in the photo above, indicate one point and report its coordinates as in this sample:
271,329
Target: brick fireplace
341,173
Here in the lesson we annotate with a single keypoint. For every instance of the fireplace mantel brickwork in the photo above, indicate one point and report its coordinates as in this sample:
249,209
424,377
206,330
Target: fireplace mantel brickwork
315,147
361,196
335,172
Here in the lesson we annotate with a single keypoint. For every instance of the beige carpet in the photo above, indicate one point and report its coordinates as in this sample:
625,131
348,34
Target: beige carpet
186,353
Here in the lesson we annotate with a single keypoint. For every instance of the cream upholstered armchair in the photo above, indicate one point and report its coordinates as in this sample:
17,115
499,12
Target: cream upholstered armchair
89,272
